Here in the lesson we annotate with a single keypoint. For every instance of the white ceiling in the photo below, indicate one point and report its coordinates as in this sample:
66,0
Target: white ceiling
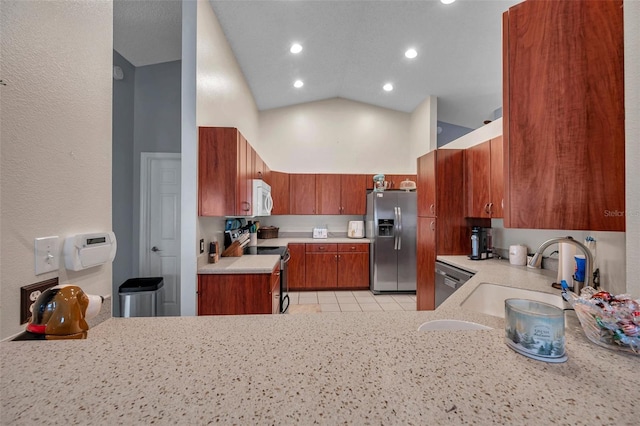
351,48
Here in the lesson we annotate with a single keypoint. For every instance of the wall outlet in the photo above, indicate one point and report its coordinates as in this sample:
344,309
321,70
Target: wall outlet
29,294
202,246
47,254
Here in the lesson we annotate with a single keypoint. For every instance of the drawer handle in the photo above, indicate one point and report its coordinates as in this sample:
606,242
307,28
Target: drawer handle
321,248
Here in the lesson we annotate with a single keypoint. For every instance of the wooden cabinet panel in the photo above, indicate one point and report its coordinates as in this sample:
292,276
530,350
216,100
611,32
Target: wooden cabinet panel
353,194
302,194
236,294
296,270
321,248
563,100
478,180
328,194
453,233
280,192
218,153
353,269
426,258
426,182
353,248
244,185
321,269
258,167
497,177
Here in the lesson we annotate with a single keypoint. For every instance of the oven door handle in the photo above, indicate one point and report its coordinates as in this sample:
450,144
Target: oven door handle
285,306
287,257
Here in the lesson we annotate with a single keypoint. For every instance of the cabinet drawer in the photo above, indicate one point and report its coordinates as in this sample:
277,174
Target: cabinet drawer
354,248
321,248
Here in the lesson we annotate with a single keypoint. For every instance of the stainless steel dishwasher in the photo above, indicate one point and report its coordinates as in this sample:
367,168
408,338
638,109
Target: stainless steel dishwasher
448,279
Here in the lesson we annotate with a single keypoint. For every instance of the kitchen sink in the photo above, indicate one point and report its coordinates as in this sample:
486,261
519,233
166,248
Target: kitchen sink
489,298
449,324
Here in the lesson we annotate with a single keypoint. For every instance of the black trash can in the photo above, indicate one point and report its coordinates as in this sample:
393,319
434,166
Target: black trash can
139,297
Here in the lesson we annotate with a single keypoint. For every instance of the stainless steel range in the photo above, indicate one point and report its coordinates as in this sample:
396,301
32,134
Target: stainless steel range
285,256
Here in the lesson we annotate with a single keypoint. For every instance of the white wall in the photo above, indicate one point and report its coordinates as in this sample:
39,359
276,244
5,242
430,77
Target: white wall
424,128
56,138
223,99
335,136
632,154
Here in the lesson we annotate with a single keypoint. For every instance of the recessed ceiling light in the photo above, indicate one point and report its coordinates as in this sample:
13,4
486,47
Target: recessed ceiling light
298,84
388,87
447,1
411,53
295,48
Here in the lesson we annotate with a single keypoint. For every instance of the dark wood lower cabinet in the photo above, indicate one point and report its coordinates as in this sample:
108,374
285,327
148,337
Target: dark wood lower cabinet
296,269
426,260
237,294
337,266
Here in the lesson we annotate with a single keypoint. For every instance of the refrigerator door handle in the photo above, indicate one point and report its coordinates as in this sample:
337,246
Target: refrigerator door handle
395,228
399,228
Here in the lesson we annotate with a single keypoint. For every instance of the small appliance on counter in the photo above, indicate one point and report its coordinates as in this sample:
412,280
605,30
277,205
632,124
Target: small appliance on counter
320,232
355,229
407,185
61,312
481,243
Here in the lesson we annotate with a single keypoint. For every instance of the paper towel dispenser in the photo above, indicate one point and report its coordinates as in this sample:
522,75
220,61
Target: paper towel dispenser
84,251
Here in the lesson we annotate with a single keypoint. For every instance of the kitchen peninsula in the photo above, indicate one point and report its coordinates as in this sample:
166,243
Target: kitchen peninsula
328,368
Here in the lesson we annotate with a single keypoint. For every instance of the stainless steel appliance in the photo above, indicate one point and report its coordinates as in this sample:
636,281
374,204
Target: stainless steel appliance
285,256
448,280
391,224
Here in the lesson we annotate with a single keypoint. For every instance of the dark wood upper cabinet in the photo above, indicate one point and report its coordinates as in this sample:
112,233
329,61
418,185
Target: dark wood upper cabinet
279,192
224,185
353,194
563,106
328,194
478,180
426,181
497,177
302,191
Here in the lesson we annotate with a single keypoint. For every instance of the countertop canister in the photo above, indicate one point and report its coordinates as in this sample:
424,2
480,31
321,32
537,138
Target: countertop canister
518,254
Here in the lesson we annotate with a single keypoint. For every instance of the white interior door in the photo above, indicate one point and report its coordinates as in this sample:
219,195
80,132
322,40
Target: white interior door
160,226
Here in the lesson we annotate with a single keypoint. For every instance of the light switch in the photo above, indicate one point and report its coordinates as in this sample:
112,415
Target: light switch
47,254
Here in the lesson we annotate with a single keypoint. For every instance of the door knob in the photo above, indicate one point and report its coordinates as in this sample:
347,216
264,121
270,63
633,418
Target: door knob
154,249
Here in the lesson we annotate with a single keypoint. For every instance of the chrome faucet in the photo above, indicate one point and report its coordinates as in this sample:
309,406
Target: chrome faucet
536,260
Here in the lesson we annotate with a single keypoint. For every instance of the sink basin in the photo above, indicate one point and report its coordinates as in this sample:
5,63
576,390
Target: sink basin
489,298
451,325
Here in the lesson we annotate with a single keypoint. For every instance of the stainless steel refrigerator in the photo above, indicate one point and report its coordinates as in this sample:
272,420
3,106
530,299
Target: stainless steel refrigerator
391,225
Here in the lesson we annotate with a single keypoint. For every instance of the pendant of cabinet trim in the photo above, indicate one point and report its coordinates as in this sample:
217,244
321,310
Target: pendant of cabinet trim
563,105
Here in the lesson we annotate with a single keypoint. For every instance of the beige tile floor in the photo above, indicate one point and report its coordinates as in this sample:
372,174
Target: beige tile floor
350,301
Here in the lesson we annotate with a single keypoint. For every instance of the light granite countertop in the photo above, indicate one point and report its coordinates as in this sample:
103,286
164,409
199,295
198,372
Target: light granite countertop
264,264
330,368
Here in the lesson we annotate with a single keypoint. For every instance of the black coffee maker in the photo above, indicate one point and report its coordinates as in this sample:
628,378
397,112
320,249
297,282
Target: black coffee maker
481,244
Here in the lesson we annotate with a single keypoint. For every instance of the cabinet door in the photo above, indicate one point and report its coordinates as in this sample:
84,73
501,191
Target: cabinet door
321,270
478,180
217,170
427,185
453,233
497,177
563,99
296,270
234,294
280,192
353,270
302,194
426,262
258,166
328,194
243,187
353,194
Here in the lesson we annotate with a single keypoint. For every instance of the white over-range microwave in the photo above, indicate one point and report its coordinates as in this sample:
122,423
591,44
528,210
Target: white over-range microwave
262,201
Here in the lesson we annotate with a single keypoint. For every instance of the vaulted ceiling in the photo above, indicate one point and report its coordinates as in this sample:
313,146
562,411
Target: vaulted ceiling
351,48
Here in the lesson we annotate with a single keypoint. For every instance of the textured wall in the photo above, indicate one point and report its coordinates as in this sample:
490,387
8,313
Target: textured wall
335,136
56,138
122,174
